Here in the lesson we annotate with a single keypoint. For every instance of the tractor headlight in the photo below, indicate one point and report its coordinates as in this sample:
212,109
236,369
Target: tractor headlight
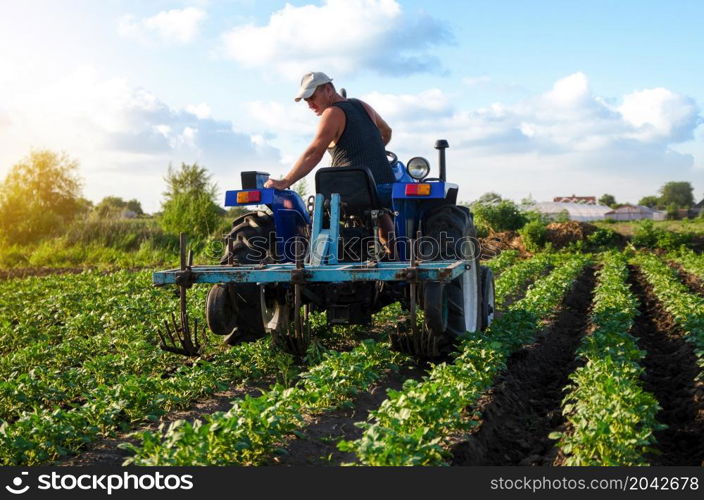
418,168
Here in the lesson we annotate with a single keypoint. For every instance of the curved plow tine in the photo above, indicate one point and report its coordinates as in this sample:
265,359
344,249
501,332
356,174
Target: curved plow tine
181,339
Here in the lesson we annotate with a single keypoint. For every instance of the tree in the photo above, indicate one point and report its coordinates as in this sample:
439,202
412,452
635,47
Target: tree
189,204
608,199
110,206
490,198
114,206
39,197
678,193
189,179
649,201
135,206
497,216
301,187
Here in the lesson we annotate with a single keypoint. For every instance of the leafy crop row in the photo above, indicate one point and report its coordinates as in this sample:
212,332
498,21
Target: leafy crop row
411,426
686,308
251,430
513,279
42,435
611,417
690,261
78,332
504,260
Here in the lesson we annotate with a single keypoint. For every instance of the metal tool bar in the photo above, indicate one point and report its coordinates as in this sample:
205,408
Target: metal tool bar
382,271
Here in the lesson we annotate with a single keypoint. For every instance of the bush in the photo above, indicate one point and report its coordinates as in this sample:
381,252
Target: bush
534,235
495,217
602,238
647,235
121,234
193,214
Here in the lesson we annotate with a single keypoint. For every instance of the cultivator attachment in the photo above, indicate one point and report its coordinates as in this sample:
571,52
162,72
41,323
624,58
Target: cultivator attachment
181,338
411,337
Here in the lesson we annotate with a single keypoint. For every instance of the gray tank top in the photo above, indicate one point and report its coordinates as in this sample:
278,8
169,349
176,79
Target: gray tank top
360,144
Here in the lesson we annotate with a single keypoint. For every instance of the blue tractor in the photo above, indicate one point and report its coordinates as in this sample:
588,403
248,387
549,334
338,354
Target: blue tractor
292,258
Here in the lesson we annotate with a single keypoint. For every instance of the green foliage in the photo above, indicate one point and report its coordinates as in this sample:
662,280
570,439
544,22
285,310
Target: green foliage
253,428
691,261
608,199
189,205
672,211
503,215
647,235
611,417
686,308
39,197
194,214
650,201
188,179
114,207
490,198
534,235
602,239
679,194
412,425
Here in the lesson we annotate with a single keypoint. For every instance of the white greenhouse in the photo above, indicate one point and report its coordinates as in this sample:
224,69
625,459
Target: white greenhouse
575,211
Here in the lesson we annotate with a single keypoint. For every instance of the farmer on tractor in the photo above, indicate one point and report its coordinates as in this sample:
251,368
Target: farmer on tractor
352,132
288,260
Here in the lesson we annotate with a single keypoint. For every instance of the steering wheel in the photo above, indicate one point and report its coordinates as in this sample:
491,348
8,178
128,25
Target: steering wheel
391,157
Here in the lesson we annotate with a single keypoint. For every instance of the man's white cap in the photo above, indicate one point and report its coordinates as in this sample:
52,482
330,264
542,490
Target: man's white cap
310,82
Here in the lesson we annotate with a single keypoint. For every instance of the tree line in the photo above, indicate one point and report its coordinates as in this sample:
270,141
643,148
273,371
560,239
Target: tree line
42,196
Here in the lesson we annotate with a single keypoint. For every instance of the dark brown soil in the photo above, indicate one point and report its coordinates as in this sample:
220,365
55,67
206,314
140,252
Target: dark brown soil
561,234
106,452
692,282
317,443
524,406
495,243
670,371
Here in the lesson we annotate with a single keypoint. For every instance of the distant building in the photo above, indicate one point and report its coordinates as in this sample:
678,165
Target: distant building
582,212
696,210
637,212
584,200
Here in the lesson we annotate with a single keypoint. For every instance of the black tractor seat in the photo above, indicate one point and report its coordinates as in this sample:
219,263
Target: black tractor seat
355,185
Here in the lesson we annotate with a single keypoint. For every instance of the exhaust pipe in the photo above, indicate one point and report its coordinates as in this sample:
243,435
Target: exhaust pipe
441,145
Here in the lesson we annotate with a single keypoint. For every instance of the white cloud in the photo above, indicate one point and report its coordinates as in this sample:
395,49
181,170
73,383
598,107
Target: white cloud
201,110
339,37
659,114
565,139
124,137
170,26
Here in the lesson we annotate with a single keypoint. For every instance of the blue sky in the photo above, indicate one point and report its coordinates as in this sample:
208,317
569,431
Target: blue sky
542,98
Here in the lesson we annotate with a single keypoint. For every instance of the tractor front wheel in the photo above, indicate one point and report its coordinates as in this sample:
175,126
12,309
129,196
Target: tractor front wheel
235,309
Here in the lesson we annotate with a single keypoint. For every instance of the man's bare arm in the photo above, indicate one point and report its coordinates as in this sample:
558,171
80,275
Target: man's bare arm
328,130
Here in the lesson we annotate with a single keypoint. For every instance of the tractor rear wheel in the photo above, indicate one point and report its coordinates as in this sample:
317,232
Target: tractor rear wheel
488,297
235,309
449,231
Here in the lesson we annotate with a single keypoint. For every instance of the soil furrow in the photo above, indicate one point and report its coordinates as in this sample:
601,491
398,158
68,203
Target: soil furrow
522,409
317,442
670,370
